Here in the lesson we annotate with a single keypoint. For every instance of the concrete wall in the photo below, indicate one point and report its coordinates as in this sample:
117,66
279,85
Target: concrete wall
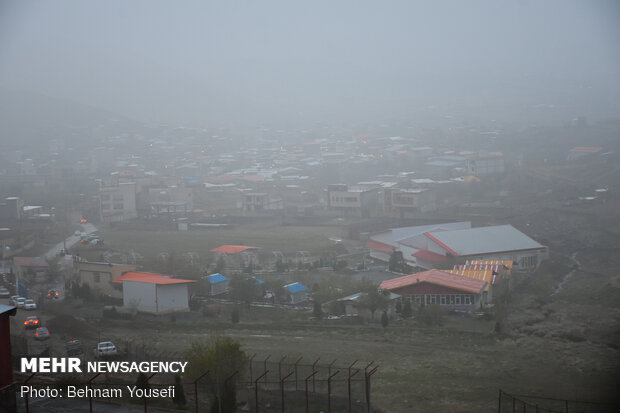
172,297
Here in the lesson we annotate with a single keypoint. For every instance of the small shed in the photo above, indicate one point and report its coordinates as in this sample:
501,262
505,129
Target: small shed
154,293
296,292
216,284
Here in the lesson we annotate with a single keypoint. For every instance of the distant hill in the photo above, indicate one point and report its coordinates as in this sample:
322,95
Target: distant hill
27,118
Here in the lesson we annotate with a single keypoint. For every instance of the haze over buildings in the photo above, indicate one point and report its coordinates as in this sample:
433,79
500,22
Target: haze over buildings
211,62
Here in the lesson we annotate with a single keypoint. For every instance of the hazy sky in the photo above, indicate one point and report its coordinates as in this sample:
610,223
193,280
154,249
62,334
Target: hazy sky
194,61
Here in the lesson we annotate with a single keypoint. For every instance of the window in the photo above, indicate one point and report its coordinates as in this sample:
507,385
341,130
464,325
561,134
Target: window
452,300
458,299
96,277
443,300
467,299
118,206
433,296
417,299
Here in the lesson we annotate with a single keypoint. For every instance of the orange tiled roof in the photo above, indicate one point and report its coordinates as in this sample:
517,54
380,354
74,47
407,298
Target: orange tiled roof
436,277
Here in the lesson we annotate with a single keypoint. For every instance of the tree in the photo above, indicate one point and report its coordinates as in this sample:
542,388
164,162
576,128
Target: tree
374,300
399,307
234,316
397,262
142,382
407,311
317,311
384,319
179,393
221,357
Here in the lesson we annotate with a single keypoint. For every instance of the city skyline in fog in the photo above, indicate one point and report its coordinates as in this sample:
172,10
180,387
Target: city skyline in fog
198,62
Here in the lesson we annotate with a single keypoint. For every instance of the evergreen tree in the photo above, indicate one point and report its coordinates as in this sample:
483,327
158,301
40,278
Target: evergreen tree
179,393
407,311
384,319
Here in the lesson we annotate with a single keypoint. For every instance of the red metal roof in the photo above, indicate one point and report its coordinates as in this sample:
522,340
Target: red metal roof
441,244
380,246
30,261
150,278
438,278
429,256
233,249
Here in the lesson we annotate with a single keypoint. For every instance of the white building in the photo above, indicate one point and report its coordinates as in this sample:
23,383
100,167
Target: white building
118,203
154,293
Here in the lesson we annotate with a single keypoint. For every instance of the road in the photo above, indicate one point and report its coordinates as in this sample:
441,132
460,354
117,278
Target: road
70,241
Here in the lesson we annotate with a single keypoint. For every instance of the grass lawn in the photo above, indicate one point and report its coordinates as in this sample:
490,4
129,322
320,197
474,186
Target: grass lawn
287,239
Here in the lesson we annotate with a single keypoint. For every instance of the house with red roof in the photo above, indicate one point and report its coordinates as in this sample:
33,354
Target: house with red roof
438,287
154,293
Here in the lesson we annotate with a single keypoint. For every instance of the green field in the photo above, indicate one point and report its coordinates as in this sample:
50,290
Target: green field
268,237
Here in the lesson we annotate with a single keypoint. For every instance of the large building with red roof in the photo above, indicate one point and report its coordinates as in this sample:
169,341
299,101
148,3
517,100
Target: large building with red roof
154,293
438,287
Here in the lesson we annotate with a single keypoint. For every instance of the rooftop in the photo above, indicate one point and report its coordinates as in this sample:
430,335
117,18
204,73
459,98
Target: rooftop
436,277
483,240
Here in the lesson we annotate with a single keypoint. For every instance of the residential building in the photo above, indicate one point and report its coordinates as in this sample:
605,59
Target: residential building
358,201
99,276
118,202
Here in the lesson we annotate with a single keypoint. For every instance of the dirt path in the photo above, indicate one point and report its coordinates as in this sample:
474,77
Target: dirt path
568,275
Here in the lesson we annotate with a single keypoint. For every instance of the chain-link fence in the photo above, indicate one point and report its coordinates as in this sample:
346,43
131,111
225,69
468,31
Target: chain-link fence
517,403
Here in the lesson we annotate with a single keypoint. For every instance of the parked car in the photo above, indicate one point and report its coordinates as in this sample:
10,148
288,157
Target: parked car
29,304
4,292
105,349
52,294
21,302
32,322
13,300
77,232
73,347
41,333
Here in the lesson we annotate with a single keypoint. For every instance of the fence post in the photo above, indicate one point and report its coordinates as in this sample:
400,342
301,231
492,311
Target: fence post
298,360
145,399
499,402
280,367
329,391
367,379
282,389
28,397
265,362
196,388
349,387
256,387
251,361
307,378
566,409
329,368
313,370
90,397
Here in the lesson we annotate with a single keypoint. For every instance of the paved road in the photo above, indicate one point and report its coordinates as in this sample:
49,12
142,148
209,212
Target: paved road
70,241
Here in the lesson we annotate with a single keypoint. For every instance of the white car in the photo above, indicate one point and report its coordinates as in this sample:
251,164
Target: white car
105,349
21,302
4,292
13,300
29,304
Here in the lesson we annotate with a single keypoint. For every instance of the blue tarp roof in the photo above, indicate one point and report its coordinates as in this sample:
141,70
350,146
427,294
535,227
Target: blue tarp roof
258,281
295,288
216,278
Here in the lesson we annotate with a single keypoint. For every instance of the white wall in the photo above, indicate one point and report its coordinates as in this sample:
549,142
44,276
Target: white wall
139,295
172,297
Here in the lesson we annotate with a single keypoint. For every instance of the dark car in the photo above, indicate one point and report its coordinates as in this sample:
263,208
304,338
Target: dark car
41,333
73,347
32,322
52,294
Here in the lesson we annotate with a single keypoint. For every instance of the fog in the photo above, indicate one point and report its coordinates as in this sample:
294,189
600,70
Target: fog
199,62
